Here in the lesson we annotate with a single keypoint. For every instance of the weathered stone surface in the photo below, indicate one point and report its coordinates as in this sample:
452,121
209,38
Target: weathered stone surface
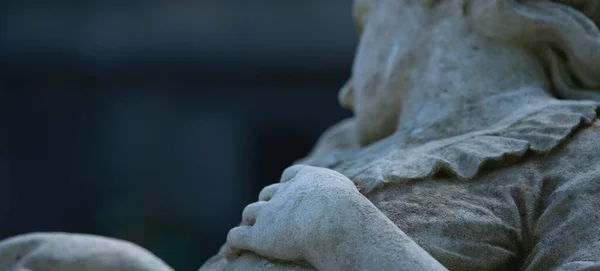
75,252
474,146
475,134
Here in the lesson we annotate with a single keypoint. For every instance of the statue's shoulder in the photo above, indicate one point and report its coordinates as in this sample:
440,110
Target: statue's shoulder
338,138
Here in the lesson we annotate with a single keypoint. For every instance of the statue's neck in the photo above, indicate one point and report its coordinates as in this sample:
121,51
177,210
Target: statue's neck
470,86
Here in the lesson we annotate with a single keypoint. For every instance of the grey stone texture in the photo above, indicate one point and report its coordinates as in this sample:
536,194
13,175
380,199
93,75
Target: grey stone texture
474,146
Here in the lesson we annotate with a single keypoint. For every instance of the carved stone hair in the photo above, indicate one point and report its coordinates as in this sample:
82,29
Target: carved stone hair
564,34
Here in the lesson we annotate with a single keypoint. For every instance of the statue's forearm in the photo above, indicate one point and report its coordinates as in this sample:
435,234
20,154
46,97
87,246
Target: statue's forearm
383,251
370,241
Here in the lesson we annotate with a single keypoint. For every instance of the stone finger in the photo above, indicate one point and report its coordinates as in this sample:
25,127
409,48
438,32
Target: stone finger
250,212
290,172
238,239
268,192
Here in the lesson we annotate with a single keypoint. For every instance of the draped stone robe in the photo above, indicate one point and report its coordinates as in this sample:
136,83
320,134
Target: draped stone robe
522,195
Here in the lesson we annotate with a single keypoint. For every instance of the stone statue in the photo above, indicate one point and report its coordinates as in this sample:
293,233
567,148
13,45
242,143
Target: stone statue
75,252
475,146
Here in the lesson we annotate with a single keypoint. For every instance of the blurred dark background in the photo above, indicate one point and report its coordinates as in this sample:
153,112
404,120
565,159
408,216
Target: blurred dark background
158,121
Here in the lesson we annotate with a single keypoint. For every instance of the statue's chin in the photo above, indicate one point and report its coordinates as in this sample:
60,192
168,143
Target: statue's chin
369,136
370,129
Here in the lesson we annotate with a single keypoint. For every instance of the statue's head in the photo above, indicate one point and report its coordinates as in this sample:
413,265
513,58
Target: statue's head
562,34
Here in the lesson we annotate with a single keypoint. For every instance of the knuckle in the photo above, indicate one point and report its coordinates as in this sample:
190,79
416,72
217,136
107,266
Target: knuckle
292,171
268,191
234,235
251,208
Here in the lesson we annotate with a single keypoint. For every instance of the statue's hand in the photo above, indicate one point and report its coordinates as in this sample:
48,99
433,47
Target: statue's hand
299,218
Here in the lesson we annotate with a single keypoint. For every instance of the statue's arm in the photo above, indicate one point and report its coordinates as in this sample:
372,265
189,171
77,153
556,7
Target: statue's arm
317,216
374,242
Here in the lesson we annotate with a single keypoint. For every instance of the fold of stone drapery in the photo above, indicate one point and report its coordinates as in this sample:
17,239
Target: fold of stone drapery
537,129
